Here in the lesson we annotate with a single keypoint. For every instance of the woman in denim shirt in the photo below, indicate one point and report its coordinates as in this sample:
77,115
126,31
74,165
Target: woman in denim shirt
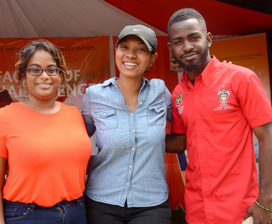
127,180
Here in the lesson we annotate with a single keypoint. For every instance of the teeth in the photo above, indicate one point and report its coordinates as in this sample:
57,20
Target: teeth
129,63
44,84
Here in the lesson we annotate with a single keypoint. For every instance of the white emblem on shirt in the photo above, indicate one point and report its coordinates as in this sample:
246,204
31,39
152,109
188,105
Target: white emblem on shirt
180,109
223,96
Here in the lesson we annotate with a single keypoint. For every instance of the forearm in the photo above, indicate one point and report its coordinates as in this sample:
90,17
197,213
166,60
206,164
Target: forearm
264,135
265,178
2,220
175,143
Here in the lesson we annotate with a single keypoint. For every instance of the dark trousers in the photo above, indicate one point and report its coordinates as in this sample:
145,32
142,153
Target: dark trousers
101,213
65,212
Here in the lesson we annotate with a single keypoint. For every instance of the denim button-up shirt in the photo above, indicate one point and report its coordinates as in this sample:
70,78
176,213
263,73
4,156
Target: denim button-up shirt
129,165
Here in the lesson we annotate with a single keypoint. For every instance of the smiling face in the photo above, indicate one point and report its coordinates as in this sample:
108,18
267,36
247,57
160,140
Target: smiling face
42,87
190,44
133,57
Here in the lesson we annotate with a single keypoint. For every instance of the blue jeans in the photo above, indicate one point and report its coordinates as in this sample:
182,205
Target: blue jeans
65,212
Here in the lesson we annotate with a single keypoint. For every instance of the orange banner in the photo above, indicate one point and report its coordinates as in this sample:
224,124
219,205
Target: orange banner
87,60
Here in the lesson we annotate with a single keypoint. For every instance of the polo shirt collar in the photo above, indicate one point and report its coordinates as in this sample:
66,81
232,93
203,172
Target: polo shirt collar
208,73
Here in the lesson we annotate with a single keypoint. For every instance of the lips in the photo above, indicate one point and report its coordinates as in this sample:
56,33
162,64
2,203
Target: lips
189,56
130,65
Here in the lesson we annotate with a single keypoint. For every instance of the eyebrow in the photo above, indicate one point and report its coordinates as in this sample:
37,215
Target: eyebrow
190,35
52,65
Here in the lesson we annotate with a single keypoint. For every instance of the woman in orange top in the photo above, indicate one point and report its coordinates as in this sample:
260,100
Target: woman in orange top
45,146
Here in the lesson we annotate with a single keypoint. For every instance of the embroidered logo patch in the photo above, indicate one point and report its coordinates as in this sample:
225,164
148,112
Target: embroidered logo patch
179,99
223,94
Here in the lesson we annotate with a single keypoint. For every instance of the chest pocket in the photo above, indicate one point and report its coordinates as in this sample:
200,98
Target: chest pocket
156,115
227,128
106,119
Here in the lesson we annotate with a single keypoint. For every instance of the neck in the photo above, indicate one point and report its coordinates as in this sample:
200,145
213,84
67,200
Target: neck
193,75
129,86
46,106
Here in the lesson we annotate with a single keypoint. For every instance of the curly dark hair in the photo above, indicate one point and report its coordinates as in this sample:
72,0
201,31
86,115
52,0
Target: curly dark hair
27,52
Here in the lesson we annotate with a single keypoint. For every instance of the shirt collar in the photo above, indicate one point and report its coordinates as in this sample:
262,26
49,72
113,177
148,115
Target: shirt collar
208,73
113,82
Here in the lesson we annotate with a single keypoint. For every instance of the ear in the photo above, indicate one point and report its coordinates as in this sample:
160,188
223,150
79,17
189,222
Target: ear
152,60
209,39
169,46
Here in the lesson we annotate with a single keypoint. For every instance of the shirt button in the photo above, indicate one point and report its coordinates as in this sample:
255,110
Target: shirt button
196,95
132,149
207,199
198,116
131,114
202,157
130,166
157,110
104,114
205,179
200,136
133,130
141,103
127,184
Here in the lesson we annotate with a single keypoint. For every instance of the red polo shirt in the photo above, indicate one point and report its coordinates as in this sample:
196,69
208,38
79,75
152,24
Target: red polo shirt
217,115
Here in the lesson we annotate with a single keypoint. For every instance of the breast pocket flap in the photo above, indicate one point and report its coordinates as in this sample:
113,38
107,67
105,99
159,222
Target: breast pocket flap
105,113
157,109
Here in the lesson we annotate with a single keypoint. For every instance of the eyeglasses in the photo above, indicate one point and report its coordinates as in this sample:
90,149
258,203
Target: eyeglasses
52,71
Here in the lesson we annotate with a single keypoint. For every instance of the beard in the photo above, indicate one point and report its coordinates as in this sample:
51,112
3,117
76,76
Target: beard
193,65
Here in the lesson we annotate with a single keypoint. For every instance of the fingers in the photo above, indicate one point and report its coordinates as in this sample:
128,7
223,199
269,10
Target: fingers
248,214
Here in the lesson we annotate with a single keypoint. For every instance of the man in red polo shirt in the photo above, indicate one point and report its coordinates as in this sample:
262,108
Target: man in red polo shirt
216,108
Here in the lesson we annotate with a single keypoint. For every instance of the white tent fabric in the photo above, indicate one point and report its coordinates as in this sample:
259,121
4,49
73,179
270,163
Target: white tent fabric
62,18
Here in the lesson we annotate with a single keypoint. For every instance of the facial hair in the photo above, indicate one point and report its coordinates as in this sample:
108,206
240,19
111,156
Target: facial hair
192,65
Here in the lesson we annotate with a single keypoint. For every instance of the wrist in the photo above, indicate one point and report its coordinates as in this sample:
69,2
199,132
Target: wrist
265,199
263,207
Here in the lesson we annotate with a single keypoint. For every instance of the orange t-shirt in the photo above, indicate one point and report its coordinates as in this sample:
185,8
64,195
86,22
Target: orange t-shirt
47,154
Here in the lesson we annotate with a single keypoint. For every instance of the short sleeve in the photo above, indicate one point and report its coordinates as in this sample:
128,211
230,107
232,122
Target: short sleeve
85,111
3,133
177,126
253,101
168,99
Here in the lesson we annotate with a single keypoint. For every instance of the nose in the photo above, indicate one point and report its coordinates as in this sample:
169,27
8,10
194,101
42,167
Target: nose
188,46
44,75
131,54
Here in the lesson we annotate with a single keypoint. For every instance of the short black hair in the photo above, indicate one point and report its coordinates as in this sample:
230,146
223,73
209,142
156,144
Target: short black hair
184,14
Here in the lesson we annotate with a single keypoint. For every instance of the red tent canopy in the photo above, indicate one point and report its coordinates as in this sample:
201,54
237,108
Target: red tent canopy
221,18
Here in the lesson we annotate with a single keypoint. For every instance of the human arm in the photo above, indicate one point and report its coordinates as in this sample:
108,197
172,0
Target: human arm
86,113
264,136
168,100
89,125
175,143
90,163
2,178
